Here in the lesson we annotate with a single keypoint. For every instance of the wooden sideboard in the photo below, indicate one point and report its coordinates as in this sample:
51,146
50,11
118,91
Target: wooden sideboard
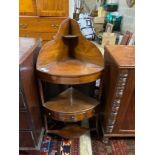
41,18
30,123
118,94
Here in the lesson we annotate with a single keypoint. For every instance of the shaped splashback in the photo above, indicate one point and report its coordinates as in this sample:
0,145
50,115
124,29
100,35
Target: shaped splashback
69,58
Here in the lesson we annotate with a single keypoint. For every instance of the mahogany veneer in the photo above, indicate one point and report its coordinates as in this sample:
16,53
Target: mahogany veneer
30,123
71,131
69,59
71,106
118,96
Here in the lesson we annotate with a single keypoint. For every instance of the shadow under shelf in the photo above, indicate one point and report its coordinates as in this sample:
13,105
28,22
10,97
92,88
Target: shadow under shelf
70,36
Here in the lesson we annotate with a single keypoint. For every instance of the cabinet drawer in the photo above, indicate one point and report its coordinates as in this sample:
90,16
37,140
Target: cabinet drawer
36,24
24,123
22,104
26,139
43,36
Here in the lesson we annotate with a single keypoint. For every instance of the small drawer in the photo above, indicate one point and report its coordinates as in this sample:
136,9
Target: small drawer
43,36
35,24
68,117
22,104
24,123
26,139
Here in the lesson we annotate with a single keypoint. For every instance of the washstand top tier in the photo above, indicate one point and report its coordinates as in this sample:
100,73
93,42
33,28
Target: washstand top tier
70,58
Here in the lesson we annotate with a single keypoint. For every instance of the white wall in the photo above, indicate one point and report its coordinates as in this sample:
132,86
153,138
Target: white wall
71,8
90,4
128,22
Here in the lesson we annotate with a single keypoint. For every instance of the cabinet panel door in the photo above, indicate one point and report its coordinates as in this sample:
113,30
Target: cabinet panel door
26,139
125,123
27,7
24,121
29,85
52,7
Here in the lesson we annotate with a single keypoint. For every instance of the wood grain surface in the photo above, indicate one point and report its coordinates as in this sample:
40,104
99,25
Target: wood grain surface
70,58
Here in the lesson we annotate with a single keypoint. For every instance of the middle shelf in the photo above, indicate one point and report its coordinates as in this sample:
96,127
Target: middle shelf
71,106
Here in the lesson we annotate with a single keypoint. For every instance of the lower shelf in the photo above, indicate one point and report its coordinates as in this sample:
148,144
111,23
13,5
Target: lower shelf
70,131
71,106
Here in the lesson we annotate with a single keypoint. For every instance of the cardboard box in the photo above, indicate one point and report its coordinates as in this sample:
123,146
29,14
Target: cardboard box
99,20
98,24
101,12
108,39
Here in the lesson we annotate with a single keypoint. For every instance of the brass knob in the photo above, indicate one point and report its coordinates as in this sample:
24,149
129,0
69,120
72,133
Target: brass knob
23,25
72,117
54,26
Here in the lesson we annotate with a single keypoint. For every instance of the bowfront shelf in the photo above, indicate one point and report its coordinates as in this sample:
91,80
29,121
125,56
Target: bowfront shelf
70,71
71,106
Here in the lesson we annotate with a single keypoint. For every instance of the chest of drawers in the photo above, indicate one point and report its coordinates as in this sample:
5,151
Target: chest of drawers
41,18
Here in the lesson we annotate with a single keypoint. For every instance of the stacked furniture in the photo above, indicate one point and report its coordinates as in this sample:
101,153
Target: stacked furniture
30,124
69,60
118,94
41,18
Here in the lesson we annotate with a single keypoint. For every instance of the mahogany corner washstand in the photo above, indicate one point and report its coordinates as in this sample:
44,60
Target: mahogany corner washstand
71,60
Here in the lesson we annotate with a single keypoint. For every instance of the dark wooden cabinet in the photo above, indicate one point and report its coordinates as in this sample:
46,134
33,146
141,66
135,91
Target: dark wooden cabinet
118,98
30,124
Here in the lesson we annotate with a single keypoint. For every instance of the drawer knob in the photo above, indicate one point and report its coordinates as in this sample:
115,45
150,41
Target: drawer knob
72,118
23,25
55,26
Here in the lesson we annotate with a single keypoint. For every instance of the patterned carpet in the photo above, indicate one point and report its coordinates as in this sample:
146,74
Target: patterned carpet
52,146
80,146
114,147
72,147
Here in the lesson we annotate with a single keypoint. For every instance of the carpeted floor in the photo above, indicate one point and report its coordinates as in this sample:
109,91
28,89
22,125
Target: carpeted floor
85,146
114,147
72,147
52,146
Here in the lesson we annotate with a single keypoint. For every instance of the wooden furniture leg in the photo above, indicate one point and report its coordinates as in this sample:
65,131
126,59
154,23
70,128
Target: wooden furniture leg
45,122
